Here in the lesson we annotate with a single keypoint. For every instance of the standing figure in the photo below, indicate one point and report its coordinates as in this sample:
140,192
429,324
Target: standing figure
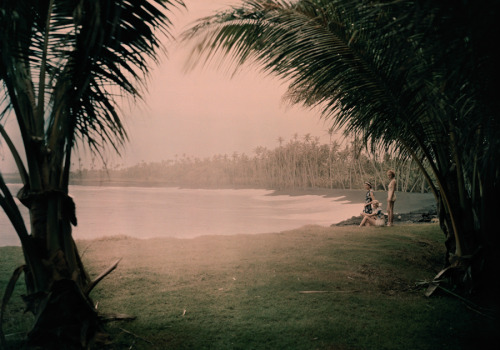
391,196
369,198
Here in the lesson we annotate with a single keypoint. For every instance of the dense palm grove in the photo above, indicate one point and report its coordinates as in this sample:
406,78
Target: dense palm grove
299,163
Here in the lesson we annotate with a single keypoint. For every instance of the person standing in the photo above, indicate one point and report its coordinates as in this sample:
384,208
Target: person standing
391,196
369,198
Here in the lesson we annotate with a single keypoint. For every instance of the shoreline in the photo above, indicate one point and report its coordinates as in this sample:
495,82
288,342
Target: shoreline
410,207
407,202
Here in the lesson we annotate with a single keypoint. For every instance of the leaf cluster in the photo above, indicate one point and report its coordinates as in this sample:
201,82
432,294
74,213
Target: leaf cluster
64,64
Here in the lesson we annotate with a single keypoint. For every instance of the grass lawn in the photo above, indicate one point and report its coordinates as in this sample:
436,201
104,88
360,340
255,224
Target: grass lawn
337,288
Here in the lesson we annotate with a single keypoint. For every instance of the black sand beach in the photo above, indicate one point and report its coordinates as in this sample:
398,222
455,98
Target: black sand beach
409,207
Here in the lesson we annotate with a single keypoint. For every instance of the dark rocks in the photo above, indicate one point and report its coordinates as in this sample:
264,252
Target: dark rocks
416,217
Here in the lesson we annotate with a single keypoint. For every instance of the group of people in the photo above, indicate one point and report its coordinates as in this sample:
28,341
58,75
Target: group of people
372,212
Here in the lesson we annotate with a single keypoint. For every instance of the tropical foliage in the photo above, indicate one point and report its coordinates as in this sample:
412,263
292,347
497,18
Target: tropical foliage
299,163
63,64
418,75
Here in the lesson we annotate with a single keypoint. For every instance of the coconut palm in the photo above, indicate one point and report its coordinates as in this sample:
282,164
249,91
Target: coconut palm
417,75
63,64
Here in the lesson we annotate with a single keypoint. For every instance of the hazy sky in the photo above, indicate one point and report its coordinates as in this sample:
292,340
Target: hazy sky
205,112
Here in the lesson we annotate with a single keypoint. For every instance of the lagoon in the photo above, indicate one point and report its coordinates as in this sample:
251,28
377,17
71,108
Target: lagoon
148,212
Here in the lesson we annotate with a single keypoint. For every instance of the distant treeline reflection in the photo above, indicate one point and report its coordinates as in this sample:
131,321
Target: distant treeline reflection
299,163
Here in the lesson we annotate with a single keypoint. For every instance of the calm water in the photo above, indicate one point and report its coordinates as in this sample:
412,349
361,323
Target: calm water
143,212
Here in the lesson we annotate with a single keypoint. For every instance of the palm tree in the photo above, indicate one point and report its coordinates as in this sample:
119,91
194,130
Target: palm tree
62,66
417,75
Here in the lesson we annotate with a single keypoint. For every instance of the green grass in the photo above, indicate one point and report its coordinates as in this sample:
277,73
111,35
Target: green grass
15,322
244,292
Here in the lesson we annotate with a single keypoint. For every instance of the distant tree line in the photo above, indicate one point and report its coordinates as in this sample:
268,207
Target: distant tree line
299,163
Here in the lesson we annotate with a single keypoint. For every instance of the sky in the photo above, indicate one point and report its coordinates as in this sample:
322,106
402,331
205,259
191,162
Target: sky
204,112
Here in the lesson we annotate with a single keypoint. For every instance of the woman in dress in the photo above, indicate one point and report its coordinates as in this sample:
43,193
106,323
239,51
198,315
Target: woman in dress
369,198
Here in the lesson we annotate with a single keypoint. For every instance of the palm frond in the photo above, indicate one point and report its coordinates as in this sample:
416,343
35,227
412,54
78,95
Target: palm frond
333,54
91,51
